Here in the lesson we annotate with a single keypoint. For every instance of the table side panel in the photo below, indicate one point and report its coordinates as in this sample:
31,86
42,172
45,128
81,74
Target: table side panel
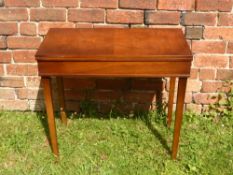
115,69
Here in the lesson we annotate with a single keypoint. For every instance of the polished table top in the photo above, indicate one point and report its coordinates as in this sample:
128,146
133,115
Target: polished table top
104,44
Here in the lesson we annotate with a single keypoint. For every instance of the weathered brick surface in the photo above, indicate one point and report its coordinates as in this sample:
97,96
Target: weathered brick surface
176,4
99,3
14,82
125,16
219,33
207,74
49,14
18,69
22,3
8,28
210,86
45,26
208,46
60,3
162,17
230,48
224,74
208,19
3,42
225,19
24,56
207,25
86,15
7,93
211,61
213,5
13,14
138,4
194,32
28,29
5,57
17,42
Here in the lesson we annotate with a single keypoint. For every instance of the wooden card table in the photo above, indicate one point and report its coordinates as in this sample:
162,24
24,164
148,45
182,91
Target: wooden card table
114,53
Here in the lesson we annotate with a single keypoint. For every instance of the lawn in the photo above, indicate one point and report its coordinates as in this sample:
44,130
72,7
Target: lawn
119,145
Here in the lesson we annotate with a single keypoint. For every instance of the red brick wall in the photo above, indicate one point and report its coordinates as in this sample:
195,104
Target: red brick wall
207,24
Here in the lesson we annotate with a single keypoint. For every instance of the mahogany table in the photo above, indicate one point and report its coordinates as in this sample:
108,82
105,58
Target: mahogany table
114,53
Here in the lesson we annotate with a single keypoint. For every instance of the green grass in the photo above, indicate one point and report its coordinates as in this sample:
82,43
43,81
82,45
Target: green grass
114,146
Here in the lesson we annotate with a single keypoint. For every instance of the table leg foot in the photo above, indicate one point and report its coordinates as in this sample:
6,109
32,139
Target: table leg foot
50,115
61,98
170,100
179,114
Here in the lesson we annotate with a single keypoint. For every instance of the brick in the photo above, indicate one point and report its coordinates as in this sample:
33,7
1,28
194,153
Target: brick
214,5
6,93
111,26
84,25
24,56
194,108
1,69
60,3
211,61
225,19
18,69
22,3
231,62
33,81
38,105
162,17
45,26
210,86
86,15
99,3
17,42
193,85
48,14
112,84
176,4
8,28
77,95
208,46
13,15
28,29
188,97
3,44
140,97
26,93
147,84
138,4
230,48
218,33
5,57
204,98
208,19
125,16
21,105
100,95
224,74
77,83
207,74
194,32
194,73
15,82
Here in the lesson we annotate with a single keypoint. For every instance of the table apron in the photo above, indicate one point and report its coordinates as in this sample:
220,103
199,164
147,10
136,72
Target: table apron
115,69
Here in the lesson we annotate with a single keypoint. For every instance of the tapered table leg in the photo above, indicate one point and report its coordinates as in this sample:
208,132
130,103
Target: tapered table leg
61,98
170,100
179,114
50,115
